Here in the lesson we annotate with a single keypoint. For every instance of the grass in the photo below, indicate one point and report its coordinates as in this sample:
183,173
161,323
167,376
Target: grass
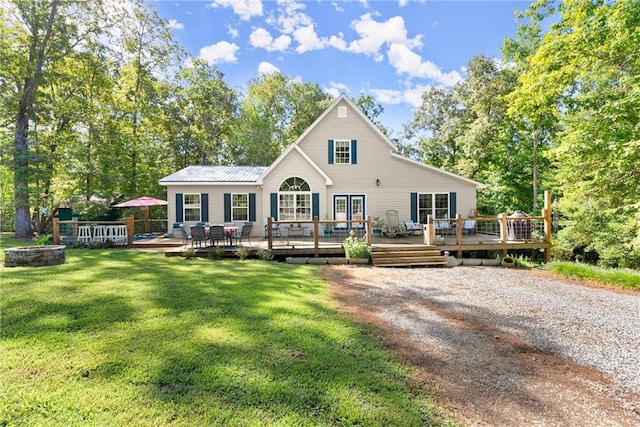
623,278
115,337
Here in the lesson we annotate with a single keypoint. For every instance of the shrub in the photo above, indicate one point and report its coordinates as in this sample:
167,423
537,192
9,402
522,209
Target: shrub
243,253
265,255
355,247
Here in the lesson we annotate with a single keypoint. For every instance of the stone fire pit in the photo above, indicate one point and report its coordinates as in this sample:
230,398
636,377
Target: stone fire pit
35,256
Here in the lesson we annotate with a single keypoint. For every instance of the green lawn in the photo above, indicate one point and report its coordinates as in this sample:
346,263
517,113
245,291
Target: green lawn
114,337
622,278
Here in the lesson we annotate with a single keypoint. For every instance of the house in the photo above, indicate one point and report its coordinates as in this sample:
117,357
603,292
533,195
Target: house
341,167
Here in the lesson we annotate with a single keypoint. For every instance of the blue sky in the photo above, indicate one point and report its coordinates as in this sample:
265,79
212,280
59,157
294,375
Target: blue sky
391,49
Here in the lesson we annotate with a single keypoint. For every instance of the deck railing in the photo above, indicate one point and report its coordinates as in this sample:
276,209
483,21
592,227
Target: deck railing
85,231
314,229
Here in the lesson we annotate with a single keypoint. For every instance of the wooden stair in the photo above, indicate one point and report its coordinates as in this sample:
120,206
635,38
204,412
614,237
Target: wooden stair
406,256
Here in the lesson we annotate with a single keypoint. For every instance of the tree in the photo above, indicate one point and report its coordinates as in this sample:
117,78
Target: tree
274,114
38,36
584,76
465,130
201,110
371,109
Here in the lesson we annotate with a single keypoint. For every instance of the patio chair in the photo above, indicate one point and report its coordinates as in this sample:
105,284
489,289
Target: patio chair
392,226
216,234
444,228
198,235
275,229
413,228
244,234
186,235
469,226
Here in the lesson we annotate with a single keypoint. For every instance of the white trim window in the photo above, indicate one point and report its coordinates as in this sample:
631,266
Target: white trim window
239,207
294,200
434,204
342,151
191,207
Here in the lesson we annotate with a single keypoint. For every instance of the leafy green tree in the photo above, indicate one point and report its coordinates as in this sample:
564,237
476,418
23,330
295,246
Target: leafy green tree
584,76
274,114
371,109
466,130
201,111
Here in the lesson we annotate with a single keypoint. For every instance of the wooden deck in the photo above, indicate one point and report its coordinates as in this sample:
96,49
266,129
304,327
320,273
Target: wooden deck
304,246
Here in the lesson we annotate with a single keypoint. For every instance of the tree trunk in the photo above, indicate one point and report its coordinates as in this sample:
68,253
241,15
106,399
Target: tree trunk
20,141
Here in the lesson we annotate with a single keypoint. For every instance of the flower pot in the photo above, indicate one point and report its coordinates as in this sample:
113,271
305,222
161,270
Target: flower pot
508,262
377,232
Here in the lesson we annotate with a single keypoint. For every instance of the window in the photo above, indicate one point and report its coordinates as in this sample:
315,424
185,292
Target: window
239,207
342,112
192,207
434,204
342,151
294,200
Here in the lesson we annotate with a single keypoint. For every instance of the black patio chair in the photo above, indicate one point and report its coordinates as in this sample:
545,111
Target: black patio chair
244,234
198,235
216,234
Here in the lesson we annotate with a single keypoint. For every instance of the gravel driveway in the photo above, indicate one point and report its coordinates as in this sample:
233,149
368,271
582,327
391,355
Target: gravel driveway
506,346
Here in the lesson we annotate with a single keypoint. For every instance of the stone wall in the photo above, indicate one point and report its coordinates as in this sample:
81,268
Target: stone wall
35,256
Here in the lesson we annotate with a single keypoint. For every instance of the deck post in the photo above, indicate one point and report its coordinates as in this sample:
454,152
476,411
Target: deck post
56,230
131,229
429,232
503,232
459,235
316,240
546,213
368,230
269,233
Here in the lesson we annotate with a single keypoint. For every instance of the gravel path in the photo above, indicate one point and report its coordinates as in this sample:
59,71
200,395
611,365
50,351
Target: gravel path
503,346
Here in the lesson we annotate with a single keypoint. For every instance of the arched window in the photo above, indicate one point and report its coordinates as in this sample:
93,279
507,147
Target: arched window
294,200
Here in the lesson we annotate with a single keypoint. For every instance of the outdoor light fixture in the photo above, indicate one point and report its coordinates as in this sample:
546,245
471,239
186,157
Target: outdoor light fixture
378,182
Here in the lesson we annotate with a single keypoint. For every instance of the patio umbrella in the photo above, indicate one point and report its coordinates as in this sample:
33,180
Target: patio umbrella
143,202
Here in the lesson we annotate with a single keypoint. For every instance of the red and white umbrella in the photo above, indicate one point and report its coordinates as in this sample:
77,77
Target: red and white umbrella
143,202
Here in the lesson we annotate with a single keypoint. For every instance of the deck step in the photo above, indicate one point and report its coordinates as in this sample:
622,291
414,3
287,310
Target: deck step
407,256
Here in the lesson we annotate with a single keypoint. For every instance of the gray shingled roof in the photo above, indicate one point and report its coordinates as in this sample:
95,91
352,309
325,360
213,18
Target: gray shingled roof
215,174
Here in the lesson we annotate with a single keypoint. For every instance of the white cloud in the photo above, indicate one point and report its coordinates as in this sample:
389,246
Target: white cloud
233,32
219,53
308,39
403,3
404,60
261,38
267,68
245,9
335,89
175,24
337,6
411,94
374,34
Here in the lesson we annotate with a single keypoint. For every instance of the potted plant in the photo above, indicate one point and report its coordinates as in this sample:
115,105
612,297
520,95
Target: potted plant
356,250
328,226
377,224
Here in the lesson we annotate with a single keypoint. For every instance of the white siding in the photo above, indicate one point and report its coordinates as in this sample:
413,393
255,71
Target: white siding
216,202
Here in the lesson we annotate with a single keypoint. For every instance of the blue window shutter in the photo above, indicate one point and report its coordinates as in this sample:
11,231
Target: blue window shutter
274,206
452,205
179,208
414,207
227,207
354,152
315,205
252,207
204,207
330,151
